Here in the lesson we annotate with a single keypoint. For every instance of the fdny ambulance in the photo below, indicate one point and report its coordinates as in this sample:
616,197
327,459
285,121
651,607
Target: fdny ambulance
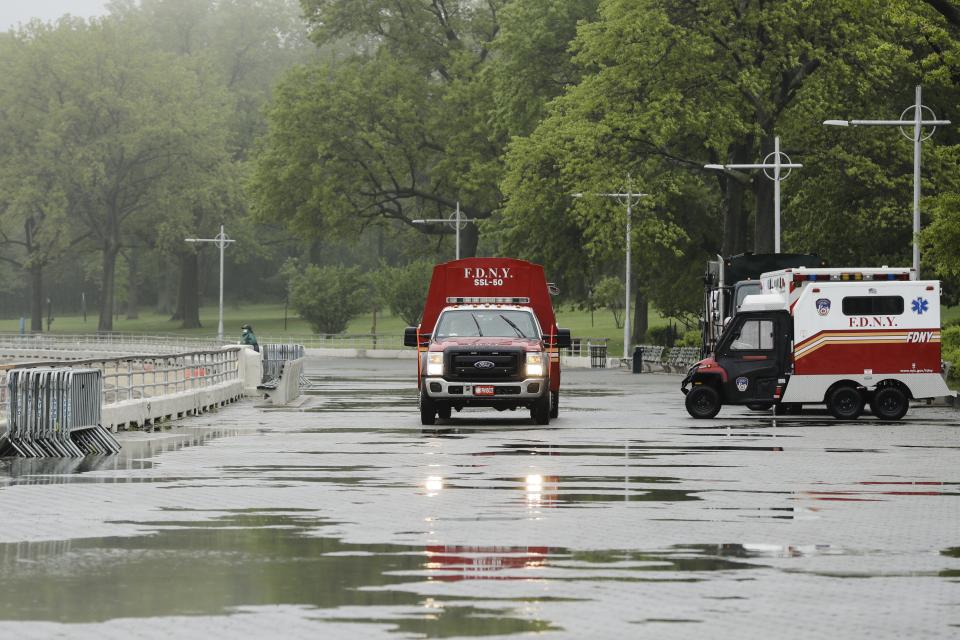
488,337
846,338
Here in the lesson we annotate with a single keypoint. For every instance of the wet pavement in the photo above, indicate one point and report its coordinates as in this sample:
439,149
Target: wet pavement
624,518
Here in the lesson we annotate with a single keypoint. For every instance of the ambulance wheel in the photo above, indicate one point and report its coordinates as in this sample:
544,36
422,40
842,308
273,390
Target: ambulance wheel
703,401
554,404
845,403
540,411
428,411
444,412
889,403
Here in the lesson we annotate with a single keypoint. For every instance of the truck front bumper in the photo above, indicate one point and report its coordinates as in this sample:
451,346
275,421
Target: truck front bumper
528,389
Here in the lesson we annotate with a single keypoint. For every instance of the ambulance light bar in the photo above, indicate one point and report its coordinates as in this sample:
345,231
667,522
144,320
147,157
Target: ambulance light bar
454,300
847,277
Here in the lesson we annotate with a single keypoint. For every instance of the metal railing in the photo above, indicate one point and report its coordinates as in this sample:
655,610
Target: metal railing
149,376
85,345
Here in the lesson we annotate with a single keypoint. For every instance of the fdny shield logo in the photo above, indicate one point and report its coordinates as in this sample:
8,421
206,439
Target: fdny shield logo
742,383
823,306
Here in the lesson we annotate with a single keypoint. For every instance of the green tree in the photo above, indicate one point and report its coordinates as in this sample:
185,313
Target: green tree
404,289
609,293
327,297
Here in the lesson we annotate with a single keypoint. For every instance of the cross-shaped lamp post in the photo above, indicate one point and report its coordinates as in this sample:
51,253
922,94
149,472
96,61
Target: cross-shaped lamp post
918,136
221,240
628,199
456,219
778,161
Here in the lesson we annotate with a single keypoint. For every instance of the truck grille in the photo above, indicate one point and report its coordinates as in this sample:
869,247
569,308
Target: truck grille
506,365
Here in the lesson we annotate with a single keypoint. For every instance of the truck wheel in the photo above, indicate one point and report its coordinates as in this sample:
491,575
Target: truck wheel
443,412
845,403
554,404
428,411
889,403
540,411
703,401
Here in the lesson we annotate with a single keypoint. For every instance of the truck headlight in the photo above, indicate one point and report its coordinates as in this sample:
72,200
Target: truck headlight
434,364
534,365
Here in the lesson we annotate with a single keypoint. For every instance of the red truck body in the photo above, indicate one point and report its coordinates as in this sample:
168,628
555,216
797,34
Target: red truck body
509,361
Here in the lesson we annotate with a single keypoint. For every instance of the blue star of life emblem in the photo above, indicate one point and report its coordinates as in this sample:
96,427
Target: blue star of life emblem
920,306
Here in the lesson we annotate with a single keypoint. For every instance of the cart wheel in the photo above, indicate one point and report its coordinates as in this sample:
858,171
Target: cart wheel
845,403
428,412
703,401
443,412
759,406
889,403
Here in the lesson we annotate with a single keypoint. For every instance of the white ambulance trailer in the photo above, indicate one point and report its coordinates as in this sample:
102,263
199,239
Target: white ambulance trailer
840,337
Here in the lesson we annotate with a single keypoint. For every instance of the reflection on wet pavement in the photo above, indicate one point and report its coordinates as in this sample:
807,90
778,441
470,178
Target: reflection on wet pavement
341,517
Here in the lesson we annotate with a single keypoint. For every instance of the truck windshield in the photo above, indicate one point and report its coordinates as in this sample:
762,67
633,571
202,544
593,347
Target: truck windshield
498,323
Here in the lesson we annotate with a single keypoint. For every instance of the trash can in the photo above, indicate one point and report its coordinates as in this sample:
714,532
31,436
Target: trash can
638,359
598,356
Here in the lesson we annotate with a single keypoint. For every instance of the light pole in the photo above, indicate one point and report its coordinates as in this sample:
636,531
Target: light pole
917,122
778,161
457,220
221,240
628,199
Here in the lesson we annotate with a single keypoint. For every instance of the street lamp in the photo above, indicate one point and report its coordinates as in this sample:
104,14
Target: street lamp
627,199
917,122
776,161
221,240
458,222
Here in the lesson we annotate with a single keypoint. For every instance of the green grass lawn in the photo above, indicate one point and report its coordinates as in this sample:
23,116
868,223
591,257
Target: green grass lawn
267,320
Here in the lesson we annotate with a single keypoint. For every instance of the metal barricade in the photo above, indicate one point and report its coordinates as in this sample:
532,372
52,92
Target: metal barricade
275,356
55,413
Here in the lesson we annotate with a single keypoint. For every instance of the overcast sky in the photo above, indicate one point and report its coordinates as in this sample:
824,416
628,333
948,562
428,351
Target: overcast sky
14,11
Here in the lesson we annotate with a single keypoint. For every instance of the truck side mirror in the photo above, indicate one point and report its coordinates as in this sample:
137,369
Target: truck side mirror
560,341
410,338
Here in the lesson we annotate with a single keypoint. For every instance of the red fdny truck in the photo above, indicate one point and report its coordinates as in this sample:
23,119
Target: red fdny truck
845,338
488,338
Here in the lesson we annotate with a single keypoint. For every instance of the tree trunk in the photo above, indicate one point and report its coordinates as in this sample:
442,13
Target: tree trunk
107,282
734,227
165,290
133,285
188,300
36,297
641,319
469,238
763,229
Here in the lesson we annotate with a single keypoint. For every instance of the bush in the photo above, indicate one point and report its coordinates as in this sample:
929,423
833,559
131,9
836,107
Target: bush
327,297
404,289
950,350
690,338
666,335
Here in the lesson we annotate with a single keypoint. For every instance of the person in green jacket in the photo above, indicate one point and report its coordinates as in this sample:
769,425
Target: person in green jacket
247,337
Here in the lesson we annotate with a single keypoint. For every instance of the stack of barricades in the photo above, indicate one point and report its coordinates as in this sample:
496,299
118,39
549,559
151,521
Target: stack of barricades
275,356
55,413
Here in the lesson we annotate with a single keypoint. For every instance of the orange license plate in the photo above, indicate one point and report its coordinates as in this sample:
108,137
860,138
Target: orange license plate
483,390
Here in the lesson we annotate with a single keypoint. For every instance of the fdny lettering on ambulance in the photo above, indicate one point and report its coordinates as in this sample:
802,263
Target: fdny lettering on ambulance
487,276
920,336
861,322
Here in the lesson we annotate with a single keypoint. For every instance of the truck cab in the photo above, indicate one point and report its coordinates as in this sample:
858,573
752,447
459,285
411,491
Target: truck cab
488,338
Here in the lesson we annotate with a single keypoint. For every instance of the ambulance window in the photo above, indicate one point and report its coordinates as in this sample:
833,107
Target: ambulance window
873,306
755,335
